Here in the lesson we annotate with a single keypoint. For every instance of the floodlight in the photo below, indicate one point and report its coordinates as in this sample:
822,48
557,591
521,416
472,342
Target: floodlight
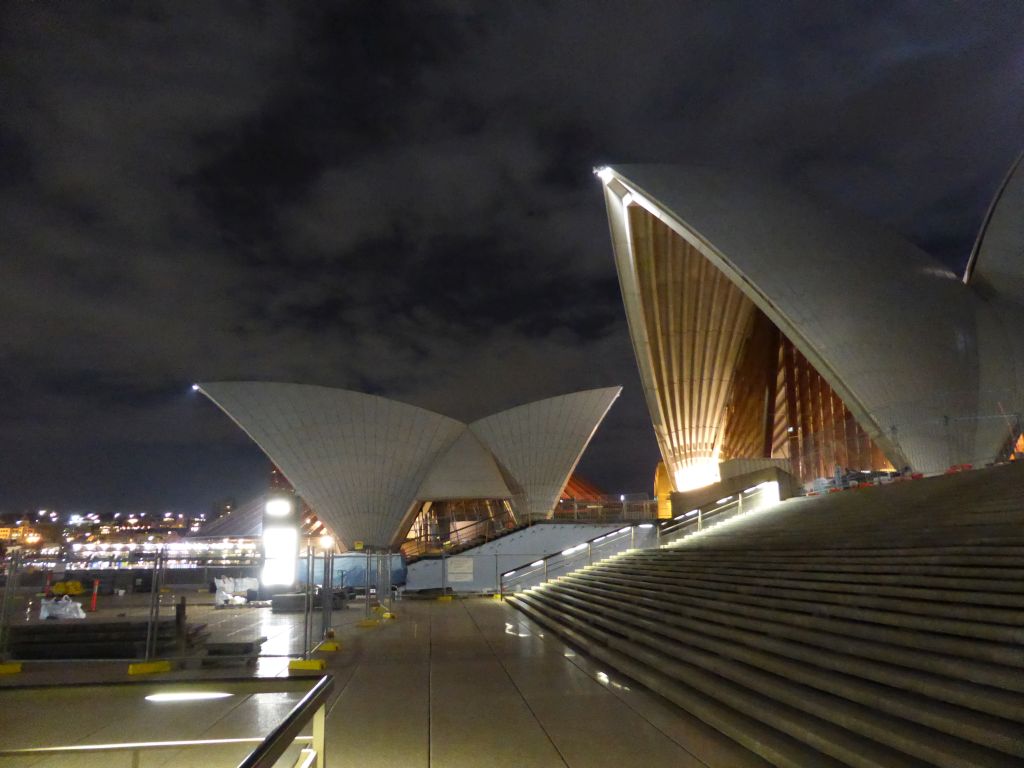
279,507
280,552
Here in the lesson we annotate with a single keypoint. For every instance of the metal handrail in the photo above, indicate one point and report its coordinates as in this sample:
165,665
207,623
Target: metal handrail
578,552
277,741
739,503
134,745
269,749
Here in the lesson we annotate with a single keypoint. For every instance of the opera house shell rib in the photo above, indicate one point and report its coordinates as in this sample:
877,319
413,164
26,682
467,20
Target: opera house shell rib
768,327
365,464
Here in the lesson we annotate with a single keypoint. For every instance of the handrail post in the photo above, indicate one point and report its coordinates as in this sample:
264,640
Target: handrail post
319,742
545,570
590,553
632,536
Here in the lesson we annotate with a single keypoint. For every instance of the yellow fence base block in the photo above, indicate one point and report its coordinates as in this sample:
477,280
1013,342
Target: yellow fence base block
368,623
149,667
388,615
306,665
495,596
444,599
10,668
329,645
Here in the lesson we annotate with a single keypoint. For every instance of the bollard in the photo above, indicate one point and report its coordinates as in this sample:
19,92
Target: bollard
95,592
180,627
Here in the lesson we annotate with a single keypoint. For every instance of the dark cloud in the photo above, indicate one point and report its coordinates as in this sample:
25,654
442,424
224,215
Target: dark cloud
398,198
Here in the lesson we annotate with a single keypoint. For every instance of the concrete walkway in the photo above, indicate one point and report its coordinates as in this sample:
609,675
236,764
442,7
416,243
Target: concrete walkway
473,682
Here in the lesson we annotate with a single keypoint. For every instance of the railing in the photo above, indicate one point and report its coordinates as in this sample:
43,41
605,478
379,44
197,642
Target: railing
628,537
606,510
760,496
603,510
575,557
311,709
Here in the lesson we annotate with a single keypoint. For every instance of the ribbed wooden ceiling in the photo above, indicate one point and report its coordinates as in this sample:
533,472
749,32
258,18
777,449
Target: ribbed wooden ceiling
726,382
697,320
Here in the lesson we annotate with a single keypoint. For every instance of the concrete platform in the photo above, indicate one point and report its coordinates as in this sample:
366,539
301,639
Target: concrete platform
466,683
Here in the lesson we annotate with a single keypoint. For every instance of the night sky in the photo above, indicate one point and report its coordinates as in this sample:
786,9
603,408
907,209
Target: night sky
398,198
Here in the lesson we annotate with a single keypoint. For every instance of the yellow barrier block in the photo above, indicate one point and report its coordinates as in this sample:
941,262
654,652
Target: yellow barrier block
496,596
10,668
388,615
368,623
329,645
149,667
306,665
444,599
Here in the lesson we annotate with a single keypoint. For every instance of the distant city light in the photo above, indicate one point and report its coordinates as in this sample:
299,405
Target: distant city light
195,387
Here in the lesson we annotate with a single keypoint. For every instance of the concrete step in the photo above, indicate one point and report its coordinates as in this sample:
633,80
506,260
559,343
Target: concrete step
897,629
823,671
792,684
978,570
997,625
983,579
764,743
992,592
938,677
704,548
827,737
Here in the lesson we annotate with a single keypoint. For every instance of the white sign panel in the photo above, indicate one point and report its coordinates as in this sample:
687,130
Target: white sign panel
460,569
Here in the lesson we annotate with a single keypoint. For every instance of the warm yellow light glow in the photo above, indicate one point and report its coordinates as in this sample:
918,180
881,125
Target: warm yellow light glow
697,475
326,542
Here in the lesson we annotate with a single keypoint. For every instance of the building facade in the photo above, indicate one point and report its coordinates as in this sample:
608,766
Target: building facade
768,326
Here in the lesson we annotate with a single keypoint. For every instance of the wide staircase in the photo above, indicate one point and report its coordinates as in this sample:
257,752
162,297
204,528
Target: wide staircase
876,627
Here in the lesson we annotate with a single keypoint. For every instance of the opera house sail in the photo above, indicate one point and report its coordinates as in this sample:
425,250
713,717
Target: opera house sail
767,326
369,466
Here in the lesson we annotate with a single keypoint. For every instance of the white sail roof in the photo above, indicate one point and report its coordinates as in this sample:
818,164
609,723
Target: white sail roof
361,461
539,444
356,459
912,353
466,471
